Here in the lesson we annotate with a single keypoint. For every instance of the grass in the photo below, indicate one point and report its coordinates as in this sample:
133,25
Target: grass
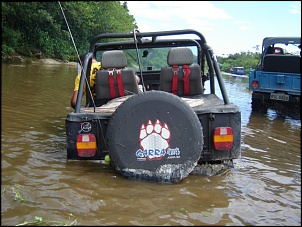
18,195
39,221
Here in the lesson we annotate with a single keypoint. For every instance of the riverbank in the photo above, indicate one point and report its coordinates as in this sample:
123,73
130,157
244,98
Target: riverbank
18,59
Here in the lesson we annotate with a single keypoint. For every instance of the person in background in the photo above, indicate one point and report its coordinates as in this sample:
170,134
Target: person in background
95,65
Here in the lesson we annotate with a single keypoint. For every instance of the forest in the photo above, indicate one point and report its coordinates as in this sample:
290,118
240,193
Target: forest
248,60
39,28
55,29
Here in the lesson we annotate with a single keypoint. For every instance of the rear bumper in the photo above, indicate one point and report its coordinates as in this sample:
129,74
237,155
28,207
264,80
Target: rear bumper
265,98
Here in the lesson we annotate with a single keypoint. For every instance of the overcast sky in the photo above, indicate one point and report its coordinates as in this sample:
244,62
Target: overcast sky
228,26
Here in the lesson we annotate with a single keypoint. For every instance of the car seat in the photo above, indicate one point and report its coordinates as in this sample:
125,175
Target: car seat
181,77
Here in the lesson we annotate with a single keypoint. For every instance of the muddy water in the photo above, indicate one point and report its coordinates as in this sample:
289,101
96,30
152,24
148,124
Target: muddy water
37,181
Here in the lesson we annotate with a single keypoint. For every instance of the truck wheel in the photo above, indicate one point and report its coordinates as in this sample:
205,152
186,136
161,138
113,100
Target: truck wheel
154,136
256,105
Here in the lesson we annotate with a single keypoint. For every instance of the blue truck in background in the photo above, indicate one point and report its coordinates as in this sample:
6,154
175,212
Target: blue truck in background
237,70
276,81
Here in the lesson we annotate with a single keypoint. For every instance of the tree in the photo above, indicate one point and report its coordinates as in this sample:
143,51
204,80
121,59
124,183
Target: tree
248,60
31,28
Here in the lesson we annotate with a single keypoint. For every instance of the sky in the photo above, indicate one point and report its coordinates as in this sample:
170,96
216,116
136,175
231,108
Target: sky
229,27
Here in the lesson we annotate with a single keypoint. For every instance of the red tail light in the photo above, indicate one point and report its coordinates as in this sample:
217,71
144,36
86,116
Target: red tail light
86,145
223,138
255,85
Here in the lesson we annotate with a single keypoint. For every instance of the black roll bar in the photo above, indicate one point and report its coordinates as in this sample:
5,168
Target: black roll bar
82,81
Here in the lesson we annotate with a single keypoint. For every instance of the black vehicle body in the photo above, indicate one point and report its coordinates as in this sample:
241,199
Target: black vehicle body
276,81
212,112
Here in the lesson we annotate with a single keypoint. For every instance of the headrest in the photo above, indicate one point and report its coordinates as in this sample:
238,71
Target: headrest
180,56
114,59
278,50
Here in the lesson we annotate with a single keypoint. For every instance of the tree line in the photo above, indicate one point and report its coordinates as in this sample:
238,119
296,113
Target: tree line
248,60
39,29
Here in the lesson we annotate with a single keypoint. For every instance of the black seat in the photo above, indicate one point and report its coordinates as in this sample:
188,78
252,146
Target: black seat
181,77
282,63
115,79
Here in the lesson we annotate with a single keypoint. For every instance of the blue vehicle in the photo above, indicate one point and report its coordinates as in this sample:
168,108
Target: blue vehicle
237,70
276,81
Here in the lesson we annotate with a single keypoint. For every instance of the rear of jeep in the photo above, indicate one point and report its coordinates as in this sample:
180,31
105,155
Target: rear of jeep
214,127
276,82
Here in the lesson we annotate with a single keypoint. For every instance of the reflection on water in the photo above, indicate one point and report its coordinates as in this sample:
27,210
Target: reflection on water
264,188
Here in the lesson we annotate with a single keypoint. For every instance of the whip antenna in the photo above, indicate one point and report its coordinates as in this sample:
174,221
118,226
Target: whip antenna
75,47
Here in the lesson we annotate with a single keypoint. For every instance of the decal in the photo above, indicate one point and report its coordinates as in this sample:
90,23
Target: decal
154,142
85,127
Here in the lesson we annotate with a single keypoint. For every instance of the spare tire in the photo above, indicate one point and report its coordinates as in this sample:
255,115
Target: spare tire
154,136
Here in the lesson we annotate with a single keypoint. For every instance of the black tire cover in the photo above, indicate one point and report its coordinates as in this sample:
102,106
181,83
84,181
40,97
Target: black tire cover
154,136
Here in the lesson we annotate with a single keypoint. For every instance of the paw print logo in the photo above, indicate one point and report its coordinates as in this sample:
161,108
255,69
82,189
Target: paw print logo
154,139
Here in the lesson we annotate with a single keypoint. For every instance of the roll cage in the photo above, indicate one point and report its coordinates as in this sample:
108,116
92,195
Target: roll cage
144,40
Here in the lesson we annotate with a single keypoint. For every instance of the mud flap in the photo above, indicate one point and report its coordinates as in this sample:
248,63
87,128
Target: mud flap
154,136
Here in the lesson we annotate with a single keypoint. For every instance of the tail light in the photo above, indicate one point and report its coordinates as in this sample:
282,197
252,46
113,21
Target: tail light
255,85
86,145
223,138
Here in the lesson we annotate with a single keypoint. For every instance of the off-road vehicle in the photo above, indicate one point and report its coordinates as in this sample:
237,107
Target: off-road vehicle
164,128
276,81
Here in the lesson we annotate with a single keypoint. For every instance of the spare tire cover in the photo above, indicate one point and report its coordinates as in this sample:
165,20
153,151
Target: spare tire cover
154,136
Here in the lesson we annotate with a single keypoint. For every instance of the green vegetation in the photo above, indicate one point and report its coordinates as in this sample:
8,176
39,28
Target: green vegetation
16,192
38,29
248,60
39,221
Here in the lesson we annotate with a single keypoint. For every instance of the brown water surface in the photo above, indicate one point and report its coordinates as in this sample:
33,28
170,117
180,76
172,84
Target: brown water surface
37,180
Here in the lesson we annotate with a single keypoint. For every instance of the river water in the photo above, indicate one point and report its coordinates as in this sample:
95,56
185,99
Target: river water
39,186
